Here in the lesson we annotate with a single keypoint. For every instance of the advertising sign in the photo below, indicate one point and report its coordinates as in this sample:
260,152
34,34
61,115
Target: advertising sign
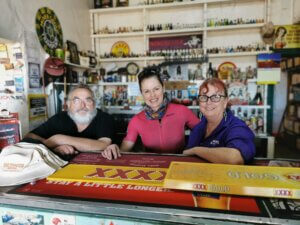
287,36
279,182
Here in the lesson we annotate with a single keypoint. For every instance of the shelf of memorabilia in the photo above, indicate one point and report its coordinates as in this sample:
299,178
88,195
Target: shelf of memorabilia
80,66
130,59
109,23
150,7
175,31
118,35
237,54
71,84
162,58
140,6
233,27
116,83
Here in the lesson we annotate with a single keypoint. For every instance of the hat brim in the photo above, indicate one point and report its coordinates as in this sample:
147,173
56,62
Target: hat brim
54,66
29,174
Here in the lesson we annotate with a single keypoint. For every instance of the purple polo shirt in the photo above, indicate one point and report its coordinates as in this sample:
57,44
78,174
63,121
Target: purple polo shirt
231,132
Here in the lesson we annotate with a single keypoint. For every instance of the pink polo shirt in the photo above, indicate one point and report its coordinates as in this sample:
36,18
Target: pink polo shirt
166,136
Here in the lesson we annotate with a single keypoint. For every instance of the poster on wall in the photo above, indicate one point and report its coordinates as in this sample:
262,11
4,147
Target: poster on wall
34,75
49,30
268,71
37,106
287,36
176,42
3,51
14,217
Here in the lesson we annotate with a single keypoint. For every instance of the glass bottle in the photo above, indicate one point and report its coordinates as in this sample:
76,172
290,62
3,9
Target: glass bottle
210,71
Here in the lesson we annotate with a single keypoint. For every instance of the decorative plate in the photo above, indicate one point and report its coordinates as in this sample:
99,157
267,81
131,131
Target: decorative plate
120,49
48,30
226,69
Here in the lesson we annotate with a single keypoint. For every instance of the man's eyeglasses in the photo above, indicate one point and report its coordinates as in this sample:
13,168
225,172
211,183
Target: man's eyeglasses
213,98
78,101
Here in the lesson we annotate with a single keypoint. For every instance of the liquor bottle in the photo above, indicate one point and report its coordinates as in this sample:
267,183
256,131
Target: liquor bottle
253,120
106,3
260,122
210,71
122,3
97,4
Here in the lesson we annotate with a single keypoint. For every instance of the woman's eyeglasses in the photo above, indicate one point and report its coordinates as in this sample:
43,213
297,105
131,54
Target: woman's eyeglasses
213,98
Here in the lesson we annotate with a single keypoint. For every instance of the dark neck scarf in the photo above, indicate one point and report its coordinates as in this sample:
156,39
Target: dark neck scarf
157,115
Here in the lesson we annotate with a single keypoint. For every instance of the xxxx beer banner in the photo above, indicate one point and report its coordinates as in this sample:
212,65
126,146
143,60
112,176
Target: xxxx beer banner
111,174
146,195
280,182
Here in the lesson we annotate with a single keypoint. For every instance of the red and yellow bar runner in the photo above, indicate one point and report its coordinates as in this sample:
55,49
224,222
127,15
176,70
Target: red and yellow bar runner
111,174
280,182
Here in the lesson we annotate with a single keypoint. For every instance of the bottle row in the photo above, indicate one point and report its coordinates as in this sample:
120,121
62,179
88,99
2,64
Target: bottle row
191,52
254,118
177,26
122,3
214,22
171,26
168,53
117,95
240,48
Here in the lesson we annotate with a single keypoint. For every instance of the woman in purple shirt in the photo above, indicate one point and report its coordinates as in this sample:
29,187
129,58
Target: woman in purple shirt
220,137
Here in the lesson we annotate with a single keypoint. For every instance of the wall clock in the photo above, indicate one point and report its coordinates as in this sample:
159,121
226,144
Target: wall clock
132,68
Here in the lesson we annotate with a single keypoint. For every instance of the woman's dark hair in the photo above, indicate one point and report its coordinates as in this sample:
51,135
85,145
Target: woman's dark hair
216,82
149,72
281,28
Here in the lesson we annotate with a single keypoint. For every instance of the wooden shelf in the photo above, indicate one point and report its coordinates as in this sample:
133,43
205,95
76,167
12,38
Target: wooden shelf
129,59
237,54
80,66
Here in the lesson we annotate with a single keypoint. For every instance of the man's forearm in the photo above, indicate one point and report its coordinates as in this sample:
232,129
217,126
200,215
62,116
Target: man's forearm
81,144
34,136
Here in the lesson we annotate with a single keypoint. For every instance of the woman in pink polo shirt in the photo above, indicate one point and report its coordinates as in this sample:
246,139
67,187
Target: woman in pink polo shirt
161,125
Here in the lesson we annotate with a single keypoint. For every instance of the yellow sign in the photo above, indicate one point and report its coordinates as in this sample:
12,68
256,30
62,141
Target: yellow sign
120,49
280,182
287,36
111,174
37,106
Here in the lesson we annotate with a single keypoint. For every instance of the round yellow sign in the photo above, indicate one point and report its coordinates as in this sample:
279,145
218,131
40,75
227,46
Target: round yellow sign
120,49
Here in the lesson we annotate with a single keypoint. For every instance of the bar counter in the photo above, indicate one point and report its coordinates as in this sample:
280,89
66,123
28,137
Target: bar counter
92,203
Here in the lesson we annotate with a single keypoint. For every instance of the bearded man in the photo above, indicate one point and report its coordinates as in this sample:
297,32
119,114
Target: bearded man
82,128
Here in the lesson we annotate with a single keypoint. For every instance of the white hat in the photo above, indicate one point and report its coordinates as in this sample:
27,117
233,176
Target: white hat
25,162
268,33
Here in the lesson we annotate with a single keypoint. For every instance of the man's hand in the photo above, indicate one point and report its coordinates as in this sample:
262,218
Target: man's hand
111,152
66,150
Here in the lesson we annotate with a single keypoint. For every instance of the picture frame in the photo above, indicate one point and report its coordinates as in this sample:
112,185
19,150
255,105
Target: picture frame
34,75
122,3
74,56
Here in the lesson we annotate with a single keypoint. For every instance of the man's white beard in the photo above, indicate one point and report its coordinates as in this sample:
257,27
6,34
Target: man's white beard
83,119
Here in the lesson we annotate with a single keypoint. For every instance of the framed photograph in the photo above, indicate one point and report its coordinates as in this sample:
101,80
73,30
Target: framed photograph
122,3
74,57
34,75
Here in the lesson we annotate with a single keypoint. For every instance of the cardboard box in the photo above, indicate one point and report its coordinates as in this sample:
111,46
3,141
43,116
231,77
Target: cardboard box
297,61
290,63
9,132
